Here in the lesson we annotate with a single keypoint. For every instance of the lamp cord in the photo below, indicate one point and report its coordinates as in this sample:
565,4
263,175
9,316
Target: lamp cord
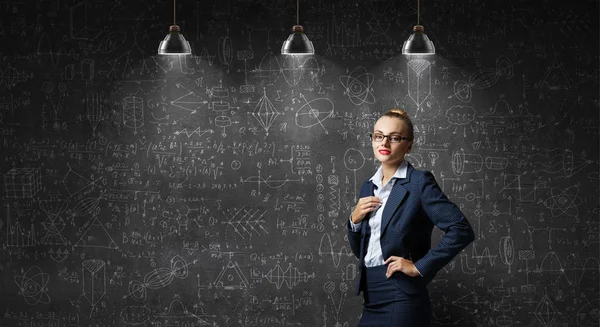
174,11
418,11
297,12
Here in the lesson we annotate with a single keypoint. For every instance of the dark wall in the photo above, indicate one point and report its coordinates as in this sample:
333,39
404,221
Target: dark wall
213,190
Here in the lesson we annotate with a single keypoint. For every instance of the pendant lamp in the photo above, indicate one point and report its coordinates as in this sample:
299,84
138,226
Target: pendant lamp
174,43
418,43
297,43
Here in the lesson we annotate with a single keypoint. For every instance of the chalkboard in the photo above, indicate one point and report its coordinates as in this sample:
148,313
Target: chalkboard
214,189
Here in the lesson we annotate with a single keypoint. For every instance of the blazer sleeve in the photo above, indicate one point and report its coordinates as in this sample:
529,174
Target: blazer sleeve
354,239
444,214
355,236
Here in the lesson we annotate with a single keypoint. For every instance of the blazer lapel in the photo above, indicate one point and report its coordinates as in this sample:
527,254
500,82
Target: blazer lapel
395,199
371,191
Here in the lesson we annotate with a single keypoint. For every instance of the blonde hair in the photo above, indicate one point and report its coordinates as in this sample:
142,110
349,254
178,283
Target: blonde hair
402,115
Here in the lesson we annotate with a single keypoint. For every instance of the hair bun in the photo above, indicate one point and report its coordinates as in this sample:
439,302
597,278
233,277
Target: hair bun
399,112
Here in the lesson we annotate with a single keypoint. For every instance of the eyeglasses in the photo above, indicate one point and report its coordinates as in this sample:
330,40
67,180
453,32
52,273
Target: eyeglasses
392,138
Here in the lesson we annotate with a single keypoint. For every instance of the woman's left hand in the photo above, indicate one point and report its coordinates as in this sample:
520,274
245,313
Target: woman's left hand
400,264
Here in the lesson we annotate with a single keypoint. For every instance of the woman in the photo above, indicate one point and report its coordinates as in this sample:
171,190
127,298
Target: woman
390,231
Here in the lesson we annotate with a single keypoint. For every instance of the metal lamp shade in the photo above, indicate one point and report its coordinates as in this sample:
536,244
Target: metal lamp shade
297,43
418,43
174,43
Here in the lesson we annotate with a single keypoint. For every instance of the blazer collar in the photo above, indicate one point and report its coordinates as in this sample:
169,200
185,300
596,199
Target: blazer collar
399,181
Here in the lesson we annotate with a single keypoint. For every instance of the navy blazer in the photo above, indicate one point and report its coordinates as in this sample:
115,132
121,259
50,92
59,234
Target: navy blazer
416,203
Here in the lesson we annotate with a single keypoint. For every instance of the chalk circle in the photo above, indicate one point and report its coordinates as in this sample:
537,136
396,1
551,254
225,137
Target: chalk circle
170,200
329,287
470,197
236,164
48,87
343,287
314,112
354,159
319,178
506,250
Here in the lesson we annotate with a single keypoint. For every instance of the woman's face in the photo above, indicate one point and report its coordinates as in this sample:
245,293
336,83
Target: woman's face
386,152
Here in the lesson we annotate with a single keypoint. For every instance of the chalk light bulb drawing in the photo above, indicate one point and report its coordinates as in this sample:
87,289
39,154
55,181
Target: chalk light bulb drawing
297,43
174,43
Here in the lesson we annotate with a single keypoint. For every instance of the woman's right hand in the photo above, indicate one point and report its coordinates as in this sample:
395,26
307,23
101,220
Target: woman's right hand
364,206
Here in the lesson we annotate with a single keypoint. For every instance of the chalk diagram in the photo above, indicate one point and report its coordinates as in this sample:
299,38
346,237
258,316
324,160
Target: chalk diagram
133,112
33,286
231,277
354,160
198,131
219,96
555,161
54,223
573,270
564,202
460,116
340,35
379,25
271,183
111,41
178,315
358,86
93,280
226,51
245,221
326,248
95,102
190,101
506,250
290,276
314,112
265,112
16,236
531,229
334,198
135,314
44,47
133,63
546,312
158,278
301,68
555,78
22,183
466,162
10,76
483,79
329,288
278,8
419,97
96,236
55,105
84,207
245,55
